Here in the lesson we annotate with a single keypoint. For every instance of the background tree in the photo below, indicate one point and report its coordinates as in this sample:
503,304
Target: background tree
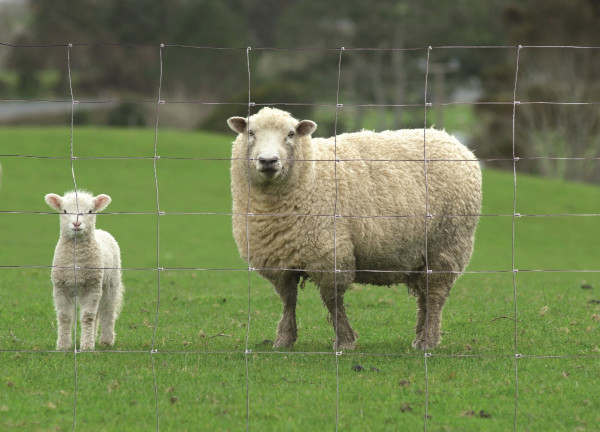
549,133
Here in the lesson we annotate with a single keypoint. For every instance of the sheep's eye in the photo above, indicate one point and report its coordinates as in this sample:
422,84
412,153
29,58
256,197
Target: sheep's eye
251,133
65,210
90,212
291,135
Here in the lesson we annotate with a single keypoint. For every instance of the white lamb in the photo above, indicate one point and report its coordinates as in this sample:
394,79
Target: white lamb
86,266
287,187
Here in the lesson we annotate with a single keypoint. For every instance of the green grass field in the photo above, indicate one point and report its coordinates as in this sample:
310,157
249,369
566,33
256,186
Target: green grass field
195,314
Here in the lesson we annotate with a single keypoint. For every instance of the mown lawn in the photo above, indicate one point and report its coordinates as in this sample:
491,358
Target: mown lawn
197,316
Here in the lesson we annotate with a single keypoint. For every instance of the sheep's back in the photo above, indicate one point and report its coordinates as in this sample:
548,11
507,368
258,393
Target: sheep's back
380,190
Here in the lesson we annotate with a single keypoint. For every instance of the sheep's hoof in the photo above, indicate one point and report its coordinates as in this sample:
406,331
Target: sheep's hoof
342,346
283,342
421,344
63,347
107,343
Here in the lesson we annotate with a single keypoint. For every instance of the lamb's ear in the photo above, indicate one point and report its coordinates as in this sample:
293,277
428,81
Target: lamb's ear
101,202
306,127
53,201
237,124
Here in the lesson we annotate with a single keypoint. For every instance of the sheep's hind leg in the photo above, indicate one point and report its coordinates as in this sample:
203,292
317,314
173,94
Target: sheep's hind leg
287,331
345,336
65,314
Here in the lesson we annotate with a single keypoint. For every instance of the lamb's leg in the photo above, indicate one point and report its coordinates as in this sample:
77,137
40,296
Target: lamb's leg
345,336
65,314
96,322
107,313
287,331
89,311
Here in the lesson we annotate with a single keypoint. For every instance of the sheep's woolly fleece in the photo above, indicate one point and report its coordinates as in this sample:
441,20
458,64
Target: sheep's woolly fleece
380,190
97,280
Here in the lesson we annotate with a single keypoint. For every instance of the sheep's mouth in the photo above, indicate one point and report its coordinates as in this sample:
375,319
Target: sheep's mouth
269,172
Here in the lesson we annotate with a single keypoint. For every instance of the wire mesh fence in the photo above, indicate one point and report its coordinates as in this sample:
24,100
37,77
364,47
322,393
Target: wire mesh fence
336,104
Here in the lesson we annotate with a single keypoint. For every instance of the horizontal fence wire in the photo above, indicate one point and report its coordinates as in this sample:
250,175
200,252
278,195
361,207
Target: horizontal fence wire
201,269
154,352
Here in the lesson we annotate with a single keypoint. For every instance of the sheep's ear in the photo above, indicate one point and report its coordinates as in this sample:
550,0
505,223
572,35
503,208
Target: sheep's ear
306,127
101,202
237,124
53,201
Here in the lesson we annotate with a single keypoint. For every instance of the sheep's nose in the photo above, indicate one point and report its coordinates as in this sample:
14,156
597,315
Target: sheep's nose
77,224
268,163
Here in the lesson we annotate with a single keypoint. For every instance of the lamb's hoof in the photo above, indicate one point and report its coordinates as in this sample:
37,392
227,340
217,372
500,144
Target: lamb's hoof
107,342
63,347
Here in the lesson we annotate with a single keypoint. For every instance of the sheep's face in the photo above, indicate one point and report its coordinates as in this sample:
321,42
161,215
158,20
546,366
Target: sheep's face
270,146
77,211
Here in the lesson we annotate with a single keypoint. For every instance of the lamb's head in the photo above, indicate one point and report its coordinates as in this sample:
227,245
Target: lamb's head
271,141
77,211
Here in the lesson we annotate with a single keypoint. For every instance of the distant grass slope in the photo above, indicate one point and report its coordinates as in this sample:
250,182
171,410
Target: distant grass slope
203,308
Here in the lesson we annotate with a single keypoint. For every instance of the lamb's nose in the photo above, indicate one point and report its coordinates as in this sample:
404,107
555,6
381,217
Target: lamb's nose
77,224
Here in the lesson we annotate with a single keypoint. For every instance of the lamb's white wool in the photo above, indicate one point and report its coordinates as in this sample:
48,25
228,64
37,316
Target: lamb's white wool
86,265
378,191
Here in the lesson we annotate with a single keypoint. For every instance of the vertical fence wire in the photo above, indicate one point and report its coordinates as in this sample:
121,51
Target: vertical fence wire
69,46
426,224
336,348
154,350
250,269
514,270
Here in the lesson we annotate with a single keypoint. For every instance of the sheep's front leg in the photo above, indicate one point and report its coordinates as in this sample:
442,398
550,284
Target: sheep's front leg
287,331
107,314
429,319
334,301
89,311
65,315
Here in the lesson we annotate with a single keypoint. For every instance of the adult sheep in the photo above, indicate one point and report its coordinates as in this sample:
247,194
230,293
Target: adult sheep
380,215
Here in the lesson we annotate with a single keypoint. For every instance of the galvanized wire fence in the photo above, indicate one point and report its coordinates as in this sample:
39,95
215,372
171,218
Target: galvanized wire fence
517,353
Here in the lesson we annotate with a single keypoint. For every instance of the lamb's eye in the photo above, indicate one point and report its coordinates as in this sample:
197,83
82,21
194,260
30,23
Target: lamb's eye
251,134
291,135
90,212
65,210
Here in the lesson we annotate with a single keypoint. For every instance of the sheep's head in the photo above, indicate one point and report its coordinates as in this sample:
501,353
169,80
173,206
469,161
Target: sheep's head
269,140
77,211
